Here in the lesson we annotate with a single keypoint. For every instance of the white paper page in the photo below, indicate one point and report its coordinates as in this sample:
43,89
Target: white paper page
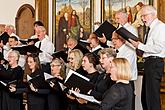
28,78
86,97
73,72
3,83
47,76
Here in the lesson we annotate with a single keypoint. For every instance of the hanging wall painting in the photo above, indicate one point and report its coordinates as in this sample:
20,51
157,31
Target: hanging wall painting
70,18
111,6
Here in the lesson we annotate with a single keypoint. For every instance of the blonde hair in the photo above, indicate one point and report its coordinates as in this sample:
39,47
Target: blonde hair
123,69
59,62
78,55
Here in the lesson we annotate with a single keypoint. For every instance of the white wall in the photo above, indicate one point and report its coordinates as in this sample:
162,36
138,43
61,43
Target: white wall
9,8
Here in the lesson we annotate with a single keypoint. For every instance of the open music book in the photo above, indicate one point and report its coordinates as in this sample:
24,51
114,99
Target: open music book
8,83
85,97
76,80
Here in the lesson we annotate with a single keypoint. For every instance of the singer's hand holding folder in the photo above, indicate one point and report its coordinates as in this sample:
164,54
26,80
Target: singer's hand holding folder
76,80
37,81
105,28
7,84
85,97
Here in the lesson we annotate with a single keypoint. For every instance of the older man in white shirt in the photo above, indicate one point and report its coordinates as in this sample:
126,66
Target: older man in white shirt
45,45
154,52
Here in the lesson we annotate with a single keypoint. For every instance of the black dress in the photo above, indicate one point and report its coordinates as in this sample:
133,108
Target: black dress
12,101
57,99
103,83
118,97
37,100
93,79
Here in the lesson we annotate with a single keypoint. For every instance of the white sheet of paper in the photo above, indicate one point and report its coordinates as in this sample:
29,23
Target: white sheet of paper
47,76
73,72
28,78
3,83
86,97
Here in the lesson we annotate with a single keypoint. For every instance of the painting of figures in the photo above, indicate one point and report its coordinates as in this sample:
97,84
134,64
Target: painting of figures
71,18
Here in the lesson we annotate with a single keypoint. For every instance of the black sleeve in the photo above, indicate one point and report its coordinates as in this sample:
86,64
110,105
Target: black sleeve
111,97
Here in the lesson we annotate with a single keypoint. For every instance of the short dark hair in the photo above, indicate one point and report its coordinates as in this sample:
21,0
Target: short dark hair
14,37
39,23
92,58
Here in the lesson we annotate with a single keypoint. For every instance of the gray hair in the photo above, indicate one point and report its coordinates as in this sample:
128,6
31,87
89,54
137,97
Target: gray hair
149,9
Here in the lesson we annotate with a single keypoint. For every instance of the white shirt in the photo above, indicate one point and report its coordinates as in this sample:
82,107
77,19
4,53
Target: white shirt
155,45
131,29
96,48
130,54
47,48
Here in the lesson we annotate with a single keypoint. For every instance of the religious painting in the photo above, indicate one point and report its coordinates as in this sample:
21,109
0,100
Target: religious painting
111,6
71,17
131,7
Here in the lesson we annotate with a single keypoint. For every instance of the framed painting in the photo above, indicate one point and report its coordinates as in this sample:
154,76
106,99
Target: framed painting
70,17
111,6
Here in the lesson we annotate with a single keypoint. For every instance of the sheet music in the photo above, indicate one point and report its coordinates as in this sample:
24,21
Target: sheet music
47,76
73,72
86,97
28,78
3,83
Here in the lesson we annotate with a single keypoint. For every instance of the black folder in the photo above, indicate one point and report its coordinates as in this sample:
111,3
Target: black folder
4,37
60,54
107,28
8,83
28,48
25,41
124,33
75,80
39,82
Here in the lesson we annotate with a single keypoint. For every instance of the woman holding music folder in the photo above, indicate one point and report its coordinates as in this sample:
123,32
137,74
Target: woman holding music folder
74,63
119,96
57,98
38,87
11,77
89,63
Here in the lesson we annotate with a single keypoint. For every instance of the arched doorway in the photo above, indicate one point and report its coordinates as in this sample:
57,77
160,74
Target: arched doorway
24,21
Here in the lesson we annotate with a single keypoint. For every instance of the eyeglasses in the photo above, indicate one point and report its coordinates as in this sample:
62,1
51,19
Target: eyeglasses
52,65
70,58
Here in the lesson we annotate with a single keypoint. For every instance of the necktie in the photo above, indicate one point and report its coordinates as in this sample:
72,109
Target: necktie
146,36
39,45
117,51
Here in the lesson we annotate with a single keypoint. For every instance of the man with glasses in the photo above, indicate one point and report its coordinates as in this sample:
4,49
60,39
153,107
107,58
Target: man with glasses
154,52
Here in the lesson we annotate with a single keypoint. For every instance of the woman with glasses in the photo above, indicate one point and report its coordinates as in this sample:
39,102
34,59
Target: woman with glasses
56,98
74,62
11,100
